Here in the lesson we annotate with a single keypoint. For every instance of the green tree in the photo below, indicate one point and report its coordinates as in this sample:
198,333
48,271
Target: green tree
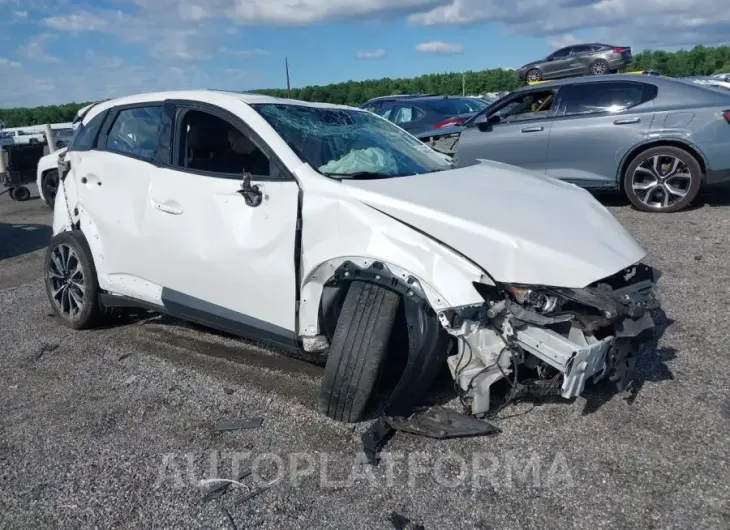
700,60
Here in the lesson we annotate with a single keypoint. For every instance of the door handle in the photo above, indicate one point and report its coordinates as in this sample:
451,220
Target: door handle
532,129
626,121
168,207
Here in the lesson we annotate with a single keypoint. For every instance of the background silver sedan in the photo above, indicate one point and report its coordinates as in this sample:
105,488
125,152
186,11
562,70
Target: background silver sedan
657,139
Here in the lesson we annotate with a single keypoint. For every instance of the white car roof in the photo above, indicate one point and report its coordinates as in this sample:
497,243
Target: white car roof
208,96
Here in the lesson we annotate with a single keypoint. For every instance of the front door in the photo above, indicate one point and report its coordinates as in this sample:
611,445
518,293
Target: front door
219,260
519,137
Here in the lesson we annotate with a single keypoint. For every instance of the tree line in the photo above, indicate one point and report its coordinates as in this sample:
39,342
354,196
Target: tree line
700,60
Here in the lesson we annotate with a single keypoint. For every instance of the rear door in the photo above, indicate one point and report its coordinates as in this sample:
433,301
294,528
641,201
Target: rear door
112,178
595,126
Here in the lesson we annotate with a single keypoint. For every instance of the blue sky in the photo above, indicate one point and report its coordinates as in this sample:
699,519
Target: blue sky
57,51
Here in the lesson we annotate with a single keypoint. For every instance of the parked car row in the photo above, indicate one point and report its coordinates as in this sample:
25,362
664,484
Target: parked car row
654,138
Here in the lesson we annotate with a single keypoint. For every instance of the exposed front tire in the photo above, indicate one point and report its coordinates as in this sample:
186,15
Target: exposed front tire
49,183
71,283
599,67
533,75
357,351
33,141
662,179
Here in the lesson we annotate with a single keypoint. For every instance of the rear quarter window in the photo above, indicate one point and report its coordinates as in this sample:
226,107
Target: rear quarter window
86,134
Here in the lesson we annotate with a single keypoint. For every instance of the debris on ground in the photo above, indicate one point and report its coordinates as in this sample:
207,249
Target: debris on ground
259,491
236,424
228,391
130,380
401,522
222,487
433,422
45,348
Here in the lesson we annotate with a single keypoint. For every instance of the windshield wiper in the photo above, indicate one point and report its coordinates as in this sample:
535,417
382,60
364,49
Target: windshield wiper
361,175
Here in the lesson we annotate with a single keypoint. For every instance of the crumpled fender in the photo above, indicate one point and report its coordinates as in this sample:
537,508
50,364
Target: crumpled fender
361,235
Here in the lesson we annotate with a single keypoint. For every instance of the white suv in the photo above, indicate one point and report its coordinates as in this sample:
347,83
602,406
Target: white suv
329,229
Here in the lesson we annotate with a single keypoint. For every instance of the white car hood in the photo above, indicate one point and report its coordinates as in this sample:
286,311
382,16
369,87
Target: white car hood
518,225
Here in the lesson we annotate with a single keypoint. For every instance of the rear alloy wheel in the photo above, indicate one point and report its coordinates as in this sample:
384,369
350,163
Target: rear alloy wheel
358,348
71,283
663,179
599,67
534,75
50,187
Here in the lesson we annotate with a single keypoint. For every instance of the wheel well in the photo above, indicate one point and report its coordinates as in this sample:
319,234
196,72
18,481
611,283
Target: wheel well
660,143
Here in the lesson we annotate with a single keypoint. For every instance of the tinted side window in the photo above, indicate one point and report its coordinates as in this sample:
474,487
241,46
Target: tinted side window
86,134
591,98
561,54
407,114
210,144
582,49
134,132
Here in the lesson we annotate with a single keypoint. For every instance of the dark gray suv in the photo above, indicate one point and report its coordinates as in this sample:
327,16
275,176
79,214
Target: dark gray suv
579,59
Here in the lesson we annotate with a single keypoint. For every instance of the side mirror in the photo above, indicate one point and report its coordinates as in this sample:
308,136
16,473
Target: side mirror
548,59
251,193
485,123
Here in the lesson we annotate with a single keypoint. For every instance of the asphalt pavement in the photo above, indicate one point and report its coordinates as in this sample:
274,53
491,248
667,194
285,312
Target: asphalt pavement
114,427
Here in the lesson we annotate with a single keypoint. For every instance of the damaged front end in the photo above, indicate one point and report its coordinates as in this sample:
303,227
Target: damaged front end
566,336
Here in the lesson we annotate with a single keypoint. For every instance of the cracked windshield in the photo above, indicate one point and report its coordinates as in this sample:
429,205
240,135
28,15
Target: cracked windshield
350,143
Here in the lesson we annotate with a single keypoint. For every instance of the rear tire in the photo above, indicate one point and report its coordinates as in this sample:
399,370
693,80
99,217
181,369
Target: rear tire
533,75
21,193
49,183
71,283
599,67
357,351
636,181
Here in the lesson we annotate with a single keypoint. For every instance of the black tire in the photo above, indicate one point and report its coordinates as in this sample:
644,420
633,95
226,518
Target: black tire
21,193
33,141
686,158
90,312
358,348
533,75
599,67
49,183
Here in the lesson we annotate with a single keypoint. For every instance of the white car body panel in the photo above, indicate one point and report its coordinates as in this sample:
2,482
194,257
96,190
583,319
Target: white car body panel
519,226
231,255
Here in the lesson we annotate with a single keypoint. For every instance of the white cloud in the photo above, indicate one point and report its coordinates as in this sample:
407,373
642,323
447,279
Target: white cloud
561,41
8,62
244,54
20,14
674,22
82,21
35,49
375,54
440,48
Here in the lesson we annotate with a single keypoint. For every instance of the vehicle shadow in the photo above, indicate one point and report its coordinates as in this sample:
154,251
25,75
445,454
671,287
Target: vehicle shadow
19,239
712,196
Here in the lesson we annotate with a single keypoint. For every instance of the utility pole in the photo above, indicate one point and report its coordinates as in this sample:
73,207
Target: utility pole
288,85
463,84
